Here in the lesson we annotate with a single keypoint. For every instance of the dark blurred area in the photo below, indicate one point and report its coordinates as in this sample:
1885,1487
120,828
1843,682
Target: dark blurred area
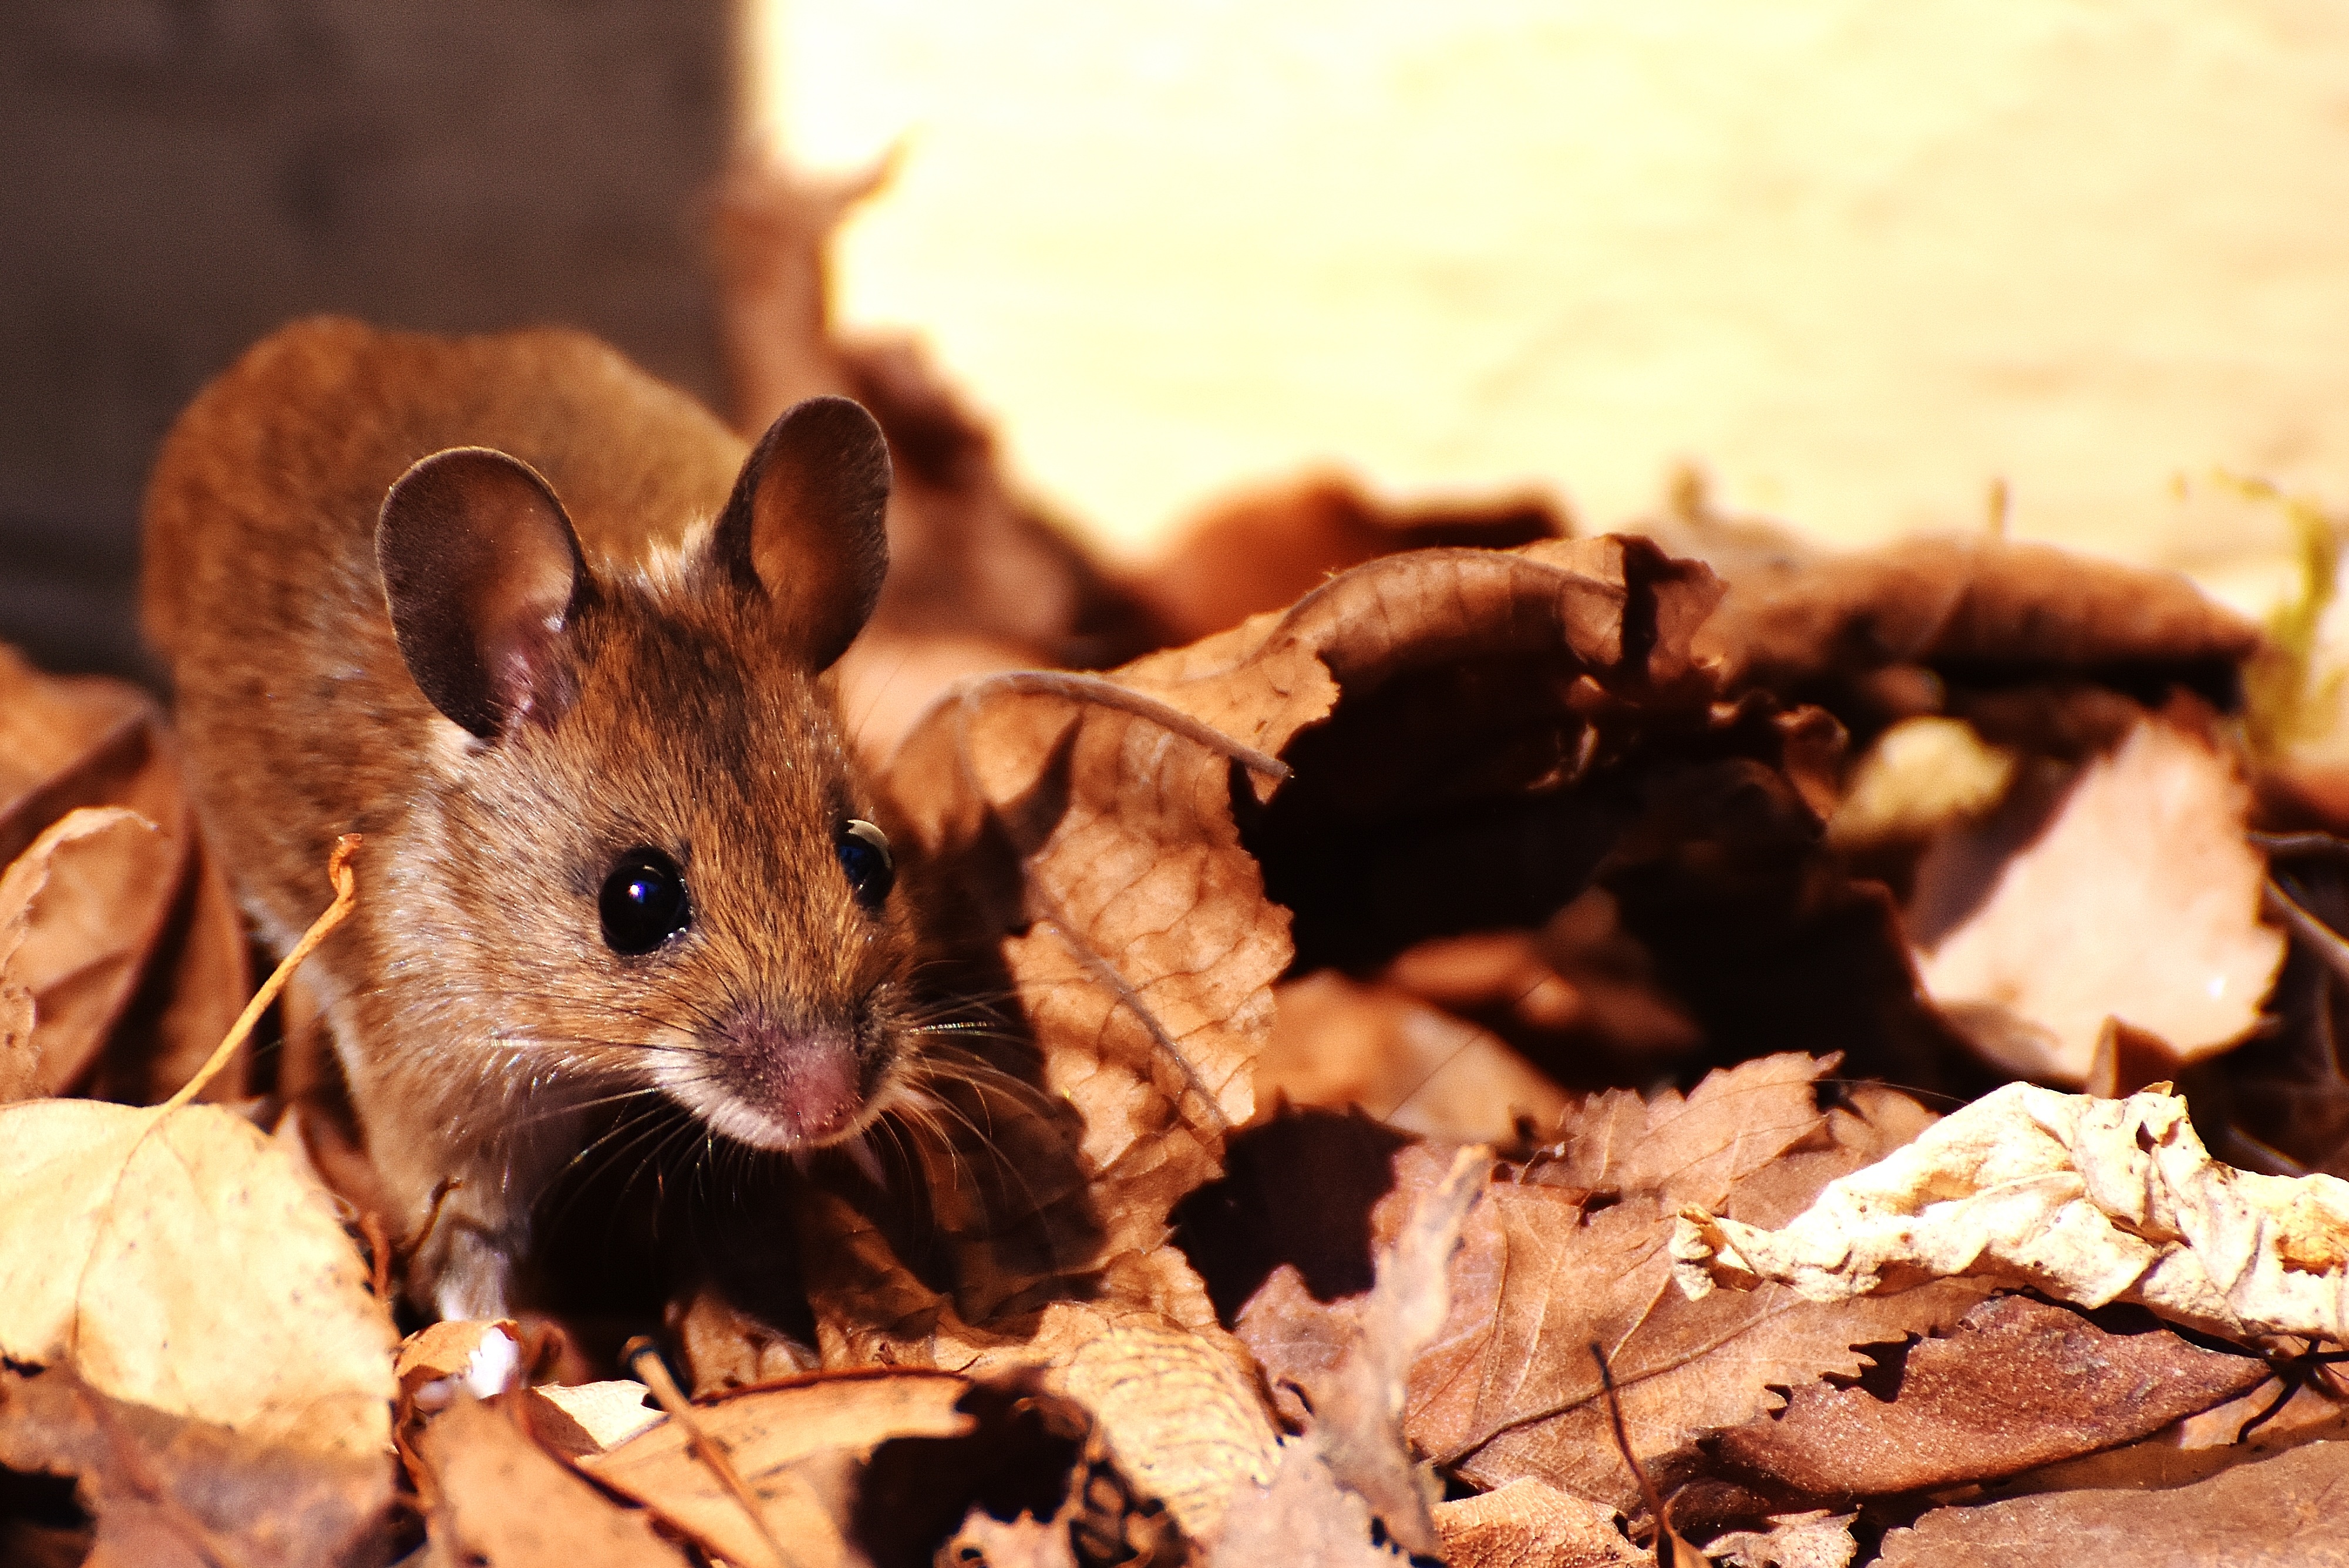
177,177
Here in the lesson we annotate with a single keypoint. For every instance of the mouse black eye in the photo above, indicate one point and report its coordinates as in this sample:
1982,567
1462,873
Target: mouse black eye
864,856
643,903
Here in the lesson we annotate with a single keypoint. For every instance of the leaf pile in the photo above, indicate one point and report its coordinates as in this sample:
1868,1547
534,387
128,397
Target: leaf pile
1404,961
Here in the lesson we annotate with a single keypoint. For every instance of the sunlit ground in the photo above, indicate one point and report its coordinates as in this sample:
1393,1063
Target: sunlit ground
1857,261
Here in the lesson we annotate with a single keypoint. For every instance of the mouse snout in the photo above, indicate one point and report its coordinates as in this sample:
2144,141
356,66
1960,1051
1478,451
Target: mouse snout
803,1084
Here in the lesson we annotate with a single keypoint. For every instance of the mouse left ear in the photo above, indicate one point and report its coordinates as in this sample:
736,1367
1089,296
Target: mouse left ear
804,524
479,569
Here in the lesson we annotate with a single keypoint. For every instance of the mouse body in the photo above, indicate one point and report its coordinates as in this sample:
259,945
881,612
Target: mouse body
555,642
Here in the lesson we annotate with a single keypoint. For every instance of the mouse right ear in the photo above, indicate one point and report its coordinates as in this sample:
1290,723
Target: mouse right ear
479,569
805,524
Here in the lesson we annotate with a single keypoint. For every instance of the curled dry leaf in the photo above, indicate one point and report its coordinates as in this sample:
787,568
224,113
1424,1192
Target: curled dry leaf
1304,1516
133,1010
1532,1524
164,1490
1816,1539
2282,1510
2085,1200
2017,1384
2138,898
177,1258
78,910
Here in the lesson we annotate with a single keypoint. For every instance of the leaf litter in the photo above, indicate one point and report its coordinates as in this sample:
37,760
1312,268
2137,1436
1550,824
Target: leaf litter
1401,949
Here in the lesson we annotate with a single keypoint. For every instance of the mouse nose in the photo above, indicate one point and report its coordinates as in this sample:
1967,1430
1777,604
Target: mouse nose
805,1081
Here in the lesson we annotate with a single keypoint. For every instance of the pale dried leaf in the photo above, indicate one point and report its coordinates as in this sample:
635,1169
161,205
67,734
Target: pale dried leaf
78,910
2286,1510
1811,1539
579,1418
1531,1525
2139,899
176,1259
1302,1516
1921,775
2089,1200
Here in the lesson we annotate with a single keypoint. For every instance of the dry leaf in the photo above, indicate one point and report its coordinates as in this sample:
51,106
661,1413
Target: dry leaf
795,1447
1531,1525
164,1490
2139,900
1960,605
1303,1516
2285,1510
1576,1253
500,1501
579,1418
176,1259
2017,1384
78,910
2085,1200
1812,1540
1336,1043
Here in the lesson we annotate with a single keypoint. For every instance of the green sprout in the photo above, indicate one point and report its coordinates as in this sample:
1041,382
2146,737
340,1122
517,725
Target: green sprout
2290,696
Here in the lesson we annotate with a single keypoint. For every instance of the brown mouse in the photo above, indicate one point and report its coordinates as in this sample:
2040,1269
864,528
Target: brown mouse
536,625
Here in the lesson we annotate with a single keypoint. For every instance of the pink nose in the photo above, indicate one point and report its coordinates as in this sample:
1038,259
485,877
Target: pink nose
805,1084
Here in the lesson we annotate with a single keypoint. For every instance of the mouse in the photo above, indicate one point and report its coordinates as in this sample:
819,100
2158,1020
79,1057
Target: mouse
557,644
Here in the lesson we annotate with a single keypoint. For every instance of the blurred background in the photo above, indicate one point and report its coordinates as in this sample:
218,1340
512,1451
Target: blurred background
1865,268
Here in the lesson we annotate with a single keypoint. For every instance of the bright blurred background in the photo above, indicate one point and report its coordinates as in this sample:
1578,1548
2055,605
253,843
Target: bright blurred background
1857,262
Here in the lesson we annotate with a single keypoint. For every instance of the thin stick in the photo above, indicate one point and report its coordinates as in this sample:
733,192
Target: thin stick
346,884
640,1356
2319,938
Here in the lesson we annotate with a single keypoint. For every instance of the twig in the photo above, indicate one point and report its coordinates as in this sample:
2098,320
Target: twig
345,887
2319,938
640,1356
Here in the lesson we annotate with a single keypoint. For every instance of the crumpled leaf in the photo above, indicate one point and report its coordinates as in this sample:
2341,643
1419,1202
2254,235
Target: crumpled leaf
2138,898
175,1258
79,911
1531,1525
165,1491
2088,1200
133,1015
1574,1253
2277,1510
2017,1384
501,1501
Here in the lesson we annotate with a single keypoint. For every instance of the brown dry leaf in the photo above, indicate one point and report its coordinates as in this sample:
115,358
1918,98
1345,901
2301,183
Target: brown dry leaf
2285,1510
78,910
2138,898
1960,605
1337,1043
501,1501
2017,1384
164,1490
176,1259
2088,1200
1576,1254
1532,1524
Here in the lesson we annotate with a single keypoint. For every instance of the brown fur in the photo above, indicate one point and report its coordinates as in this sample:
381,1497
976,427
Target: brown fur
475,1006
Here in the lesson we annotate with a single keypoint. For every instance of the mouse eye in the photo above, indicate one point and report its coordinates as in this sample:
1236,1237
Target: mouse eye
864,856
643,903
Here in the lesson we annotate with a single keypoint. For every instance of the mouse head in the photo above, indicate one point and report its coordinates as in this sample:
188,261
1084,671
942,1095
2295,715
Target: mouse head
652,760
